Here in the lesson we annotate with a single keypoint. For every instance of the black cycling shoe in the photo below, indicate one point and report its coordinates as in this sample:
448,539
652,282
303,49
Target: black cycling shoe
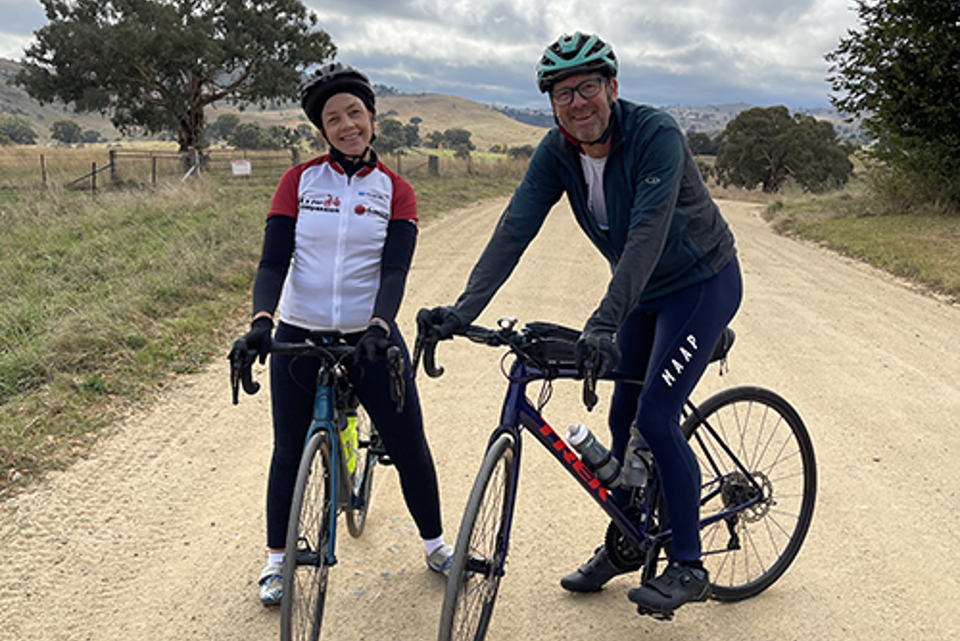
592,575
679,584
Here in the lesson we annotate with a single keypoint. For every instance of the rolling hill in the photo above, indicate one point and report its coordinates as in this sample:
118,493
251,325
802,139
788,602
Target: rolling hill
14,101
437,112
489,125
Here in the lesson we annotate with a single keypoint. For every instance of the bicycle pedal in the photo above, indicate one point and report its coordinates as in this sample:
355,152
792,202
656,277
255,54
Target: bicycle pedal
655,614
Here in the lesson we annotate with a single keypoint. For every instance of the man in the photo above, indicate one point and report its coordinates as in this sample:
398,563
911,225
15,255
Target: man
636,192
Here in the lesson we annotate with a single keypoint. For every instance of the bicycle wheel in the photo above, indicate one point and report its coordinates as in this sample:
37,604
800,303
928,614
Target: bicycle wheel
366,456
748,550
308,535
481,549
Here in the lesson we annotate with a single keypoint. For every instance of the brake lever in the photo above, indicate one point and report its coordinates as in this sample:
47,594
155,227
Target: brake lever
398,385
426,346
590,398
241,370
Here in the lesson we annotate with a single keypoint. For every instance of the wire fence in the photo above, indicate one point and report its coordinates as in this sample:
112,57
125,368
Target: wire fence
94,169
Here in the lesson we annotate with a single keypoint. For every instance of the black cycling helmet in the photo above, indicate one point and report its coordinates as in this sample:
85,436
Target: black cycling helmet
330,79
570,55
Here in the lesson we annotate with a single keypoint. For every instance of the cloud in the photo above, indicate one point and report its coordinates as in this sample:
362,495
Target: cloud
680,52
685,51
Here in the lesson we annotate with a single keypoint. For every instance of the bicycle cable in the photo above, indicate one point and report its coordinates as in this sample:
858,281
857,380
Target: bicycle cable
546,393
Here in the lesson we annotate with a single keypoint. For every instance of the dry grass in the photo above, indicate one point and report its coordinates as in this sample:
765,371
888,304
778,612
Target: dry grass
107,295
921,244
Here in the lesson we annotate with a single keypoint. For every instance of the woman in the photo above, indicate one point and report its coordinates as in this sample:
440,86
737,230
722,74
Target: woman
339,239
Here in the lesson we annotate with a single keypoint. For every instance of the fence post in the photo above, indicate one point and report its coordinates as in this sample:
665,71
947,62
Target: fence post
399,164
43,170
114,177
433,165
93,178
153,170
294,156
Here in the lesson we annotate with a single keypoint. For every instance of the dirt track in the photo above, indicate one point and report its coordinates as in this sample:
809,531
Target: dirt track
159,534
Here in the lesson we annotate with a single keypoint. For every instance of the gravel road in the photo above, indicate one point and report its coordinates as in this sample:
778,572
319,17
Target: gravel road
159,533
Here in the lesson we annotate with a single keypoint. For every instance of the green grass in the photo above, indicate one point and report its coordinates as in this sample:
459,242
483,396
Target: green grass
108,296
922,245
925,249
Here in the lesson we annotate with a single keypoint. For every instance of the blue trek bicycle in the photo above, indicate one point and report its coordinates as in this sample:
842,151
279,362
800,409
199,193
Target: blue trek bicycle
757,463
335,475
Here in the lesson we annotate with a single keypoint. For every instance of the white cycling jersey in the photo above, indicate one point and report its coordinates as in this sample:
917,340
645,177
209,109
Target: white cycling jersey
341,226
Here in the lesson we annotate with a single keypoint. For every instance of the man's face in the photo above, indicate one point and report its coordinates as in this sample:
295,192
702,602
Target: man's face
584,118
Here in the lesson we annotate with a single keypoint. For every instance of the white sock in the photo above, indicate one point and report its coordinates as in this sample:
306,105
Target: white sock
274,558
432,545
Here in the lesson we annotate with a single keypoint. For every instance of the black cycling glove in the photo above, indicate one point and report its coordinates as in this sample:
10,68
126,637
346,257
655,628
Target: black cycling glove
445,322
373,345
598,351
259,337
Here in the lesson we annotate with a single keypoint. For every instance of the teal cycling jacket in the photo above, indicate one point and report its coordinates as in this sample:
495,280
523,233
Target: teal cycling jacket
665,231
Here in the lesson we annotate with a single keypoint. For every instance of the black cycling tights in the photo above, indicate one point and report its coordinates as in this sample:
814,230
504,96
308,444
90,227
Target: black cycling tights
293,386
668,343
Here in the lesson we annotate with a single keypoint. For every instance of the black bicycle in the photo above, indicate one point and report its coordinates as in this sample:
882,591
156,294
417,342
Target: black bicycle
757,464
340,455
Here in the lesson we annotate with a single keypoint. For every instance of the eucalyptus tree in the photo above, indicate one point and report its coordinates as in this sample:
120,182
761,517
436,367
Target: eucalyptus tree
154,65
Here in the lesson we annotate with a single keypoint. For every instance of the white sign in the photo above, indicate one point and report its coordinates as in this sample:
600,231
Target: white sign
240,167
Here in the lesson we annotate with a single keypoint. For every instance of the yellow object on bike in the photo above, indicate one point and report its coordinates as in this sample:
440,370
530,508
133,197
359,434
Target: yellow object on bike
350,440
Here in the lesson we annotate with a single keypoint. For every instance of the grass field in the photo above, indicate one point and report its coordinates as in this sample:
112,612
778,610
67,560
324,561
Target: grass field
110,295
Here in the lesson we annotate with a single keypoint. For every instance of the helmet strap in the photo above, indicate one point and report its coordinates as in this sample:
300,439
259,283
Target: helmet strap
353,164
604,137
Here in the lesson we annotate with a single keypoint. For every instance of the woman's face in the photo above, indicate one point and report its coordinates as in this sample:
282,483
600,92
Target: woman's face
347,125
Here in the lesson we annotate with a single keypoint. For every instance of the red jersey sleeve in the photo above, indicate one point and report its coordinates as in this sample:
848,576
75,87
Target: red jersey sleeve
286,199
404,205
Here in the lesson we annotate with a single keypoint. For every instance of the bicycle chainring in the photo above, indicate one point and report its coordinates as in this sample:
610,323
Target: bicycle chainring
622,552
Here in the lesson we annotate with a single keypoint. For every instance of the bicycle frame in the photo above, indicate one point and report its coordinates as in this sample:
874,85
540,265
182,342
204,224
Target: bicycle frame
518,412
324,413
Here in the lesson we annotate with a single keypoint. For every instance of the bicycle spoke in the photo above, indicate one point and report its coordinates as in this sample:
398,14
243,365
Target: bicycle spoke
481,549
766,476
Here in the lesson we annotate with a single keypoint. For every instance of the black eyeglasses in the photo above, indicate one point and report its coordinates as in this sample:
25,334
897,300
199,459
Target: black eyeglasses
587,89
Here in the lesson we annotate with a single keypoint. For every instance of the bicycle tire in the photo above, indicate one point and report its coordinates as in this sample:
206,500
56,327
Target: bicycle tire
480,553
305,566
362,490
767,434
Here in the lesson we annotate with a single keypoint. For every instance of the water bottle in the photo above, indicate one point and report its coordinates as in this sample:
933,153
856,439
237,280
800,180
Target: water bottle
594,455
350,439
636,461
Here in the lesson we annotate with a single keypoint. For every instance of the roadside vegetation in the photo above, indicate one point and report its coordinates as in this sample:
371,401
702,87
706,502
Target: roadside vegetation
110,297
885,220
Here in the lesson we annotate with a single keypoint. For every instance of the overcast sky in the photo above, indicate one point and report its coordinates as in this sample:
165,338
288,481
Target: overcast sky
680,52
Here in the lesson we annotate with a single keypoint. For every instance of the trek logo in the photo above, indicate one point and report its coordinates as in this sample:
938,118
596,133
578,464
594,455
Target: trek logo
328,203
684,355
570,458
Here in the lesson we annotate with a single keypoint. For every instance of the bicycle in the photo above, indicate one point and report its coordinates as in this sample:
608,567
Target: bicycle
757,464
341,444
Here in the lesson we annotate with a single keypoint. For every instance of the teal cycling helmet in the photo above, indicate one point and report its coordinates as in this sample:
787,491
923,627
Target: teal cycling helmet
570,55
